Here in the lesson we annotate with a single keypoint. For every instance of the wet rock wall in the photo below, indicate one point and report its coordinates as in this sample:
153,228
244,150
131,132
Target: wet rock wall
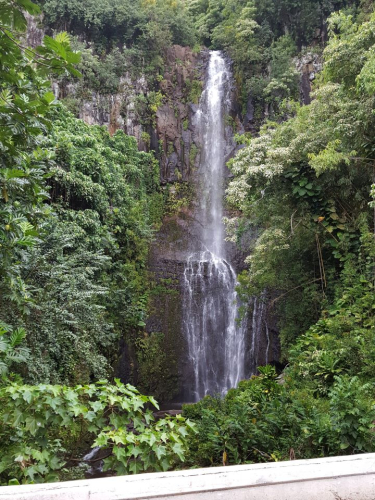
174,138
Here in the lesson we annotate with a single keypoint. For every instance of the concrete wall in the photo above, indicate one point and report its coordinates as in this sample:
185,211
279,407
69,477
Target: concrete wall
342,478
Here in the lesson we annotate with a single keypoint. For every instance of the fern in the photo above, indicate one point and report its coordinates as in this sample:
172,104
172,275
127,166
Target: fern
11,350
17,337
4,345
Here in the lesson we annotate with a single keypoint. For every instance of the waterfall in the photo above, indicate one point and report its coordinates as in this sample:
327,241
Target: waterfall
215,338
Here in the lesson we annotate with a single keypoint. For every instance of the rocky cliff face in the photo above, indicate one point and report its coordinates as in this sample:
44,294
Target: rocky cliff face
179,154
182,86
114,111
173,135
308,66
35,31
179,236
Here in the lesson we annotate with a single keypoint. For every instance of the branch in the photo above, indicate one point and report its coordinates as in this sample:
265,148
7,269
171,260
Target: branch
361,158
291,222
292,290
91,461
36,57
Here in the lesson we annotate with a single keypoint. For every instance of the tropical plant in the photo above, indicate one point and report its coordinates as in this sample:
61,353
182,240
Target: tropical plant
44,427
25,100
11,349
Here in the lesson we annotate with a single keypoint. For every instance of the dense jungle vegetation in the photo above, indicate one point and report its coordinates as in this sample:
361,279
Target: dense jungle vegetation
79,208
305,185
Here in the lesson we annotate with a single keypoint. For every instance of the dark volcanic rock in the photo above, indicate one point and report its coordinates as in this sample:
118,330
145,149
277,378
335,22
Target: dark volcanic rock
182,80
308,66
180,235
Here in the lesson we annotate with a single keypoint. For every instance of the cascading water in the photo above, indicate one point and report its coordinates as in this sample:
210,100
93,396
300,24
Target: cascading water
215,339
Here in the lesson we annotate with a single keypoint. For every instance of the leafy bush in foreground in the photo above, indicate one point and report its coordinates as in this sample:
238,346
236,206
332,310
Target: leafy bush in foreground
43,428
264,420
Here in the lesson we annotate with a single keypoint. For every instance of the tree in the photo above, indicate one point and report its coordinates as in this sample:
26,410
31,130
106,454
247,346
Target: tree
307,181
25,100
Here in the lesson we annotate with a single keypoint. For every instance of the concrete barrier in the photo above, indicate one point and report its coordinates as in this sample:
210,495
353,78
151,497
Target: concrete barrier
337,478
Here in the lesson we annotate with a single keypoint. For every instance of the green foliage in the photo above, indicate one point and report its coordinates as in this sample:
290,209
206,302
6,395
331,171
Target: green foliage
11,349
146,106
25,101
70,332
305,191
65,275
122,21
262,36
306,182
220,22
180,196
352,408
86,278
99,73
266,421
152,361
194,90
124,35
78,209
341,341
145,137
43,426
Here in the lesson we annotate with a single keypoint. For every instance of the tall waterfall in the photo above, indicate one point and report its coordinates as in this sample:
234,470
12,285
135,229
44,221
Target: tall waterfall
215,339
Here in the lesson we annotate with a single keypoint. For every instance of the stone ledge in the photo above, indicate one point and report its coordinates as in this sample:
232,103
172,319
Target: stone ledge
336,478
